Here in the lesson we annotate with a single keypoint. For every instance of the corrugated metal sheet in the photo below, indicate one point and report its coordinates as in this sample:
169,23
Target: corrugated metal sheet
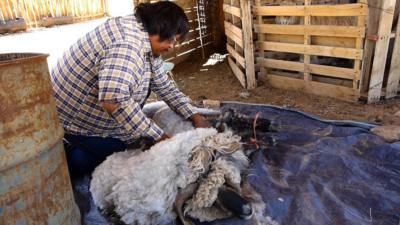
34,183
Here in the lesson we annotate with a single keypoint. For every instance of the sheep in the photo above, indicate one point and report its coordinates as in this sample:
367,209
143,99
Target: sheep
143,187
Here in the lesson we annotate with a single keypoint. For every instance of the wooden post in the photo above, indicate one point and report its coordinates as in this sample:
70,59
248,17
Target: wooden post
235,45
261,38
307,41
381,50
359,45
369,46
394,74
248,45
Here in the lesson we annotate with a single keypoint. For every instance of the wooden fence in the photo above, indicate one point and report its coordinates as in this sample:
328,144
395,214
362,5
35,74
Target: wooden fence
382,71
315,48
36,13
238,20
316,54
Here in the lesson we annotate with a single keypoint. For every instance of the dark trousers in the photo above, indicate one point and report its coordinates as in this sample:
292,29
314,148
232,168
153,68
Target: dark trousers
84,153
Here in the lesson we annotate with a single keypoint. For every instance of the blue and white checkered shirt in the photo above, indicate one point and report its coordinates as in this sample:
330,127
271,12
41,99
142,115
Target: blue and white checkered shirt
113,64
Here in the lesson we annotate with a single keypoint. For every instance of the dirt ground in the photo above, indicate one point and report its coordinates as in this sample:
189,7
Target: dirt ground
219,83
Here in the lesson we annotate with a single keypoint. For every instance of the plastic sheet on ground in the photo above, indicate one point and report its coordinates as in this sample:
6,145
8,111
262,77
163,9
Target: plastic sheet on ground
313,172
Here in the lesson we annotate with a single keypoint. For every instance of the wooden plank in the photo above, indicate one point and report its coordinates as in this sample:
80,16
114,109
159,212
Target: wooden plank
361,23
247,21
234,29
337,72
317,40
238,73
331,71
235,55
381,51
307,42
261,37
234,38
369,46
394,74
357,9
280,64
317,88
338,52
279,11
232,10
314,30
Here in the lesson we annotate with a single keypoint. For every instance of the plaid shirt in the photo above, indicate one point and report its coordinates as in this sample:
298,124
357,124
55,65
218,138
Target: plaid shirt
113,64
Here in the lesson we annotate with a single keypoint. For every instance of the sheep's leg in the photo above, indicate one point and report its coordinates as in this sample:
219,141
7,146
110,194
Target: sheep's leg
181,198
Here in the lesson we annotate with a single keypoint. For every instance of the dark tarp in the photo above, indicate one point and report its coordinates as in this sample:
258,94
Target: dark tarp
310,171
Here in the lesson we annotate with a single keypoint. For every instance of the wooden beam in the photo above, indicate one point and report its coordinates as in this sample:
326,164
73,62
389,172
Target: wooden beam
317,88
232,10
235,55
234,29
314,30
234,37
280,64
338,52
317,40
358,9
394,74
336,72
307,41
361,23
261,37
331,71
247,21
238,73
279,10
381,51
369,45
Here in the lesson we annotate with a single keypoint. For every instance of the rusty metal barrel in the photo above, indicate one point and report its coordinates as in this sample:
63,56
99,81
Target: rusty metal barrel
34,182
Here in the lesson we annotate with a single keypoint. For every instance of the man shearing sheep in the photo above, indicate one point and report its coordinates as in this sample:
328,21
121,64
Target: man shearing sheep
102,82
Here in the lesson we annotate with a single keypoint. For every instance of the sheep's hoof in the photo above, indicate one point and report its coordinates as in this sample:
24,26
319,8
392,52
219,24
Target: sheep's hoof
181,198
235,203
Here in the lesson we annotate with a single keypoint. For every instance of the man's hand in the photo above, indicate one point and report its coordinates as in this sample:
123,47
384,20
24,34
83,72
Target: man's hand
162,138
199,121
109,107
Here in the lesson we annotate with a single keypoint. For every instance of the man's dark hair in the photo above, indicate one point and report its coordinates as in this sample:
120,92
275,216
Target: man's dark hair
163,18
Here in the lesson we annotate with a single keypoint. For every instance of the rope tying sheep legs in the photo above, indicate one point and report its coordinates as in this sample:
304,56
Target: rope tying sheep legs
254,140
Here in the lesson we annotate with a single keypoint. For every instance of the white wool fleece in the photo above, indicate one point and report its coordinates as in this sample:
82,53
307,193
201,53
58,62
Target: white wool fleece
143,188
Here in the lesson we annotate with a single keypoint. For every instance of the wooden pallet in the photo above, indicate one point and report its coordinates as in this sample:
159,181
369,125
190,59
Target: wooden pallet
309,41
240,46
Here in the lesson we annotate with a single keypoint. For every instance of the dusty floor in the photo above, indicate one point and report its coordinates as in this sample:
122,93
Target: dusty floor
219,83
